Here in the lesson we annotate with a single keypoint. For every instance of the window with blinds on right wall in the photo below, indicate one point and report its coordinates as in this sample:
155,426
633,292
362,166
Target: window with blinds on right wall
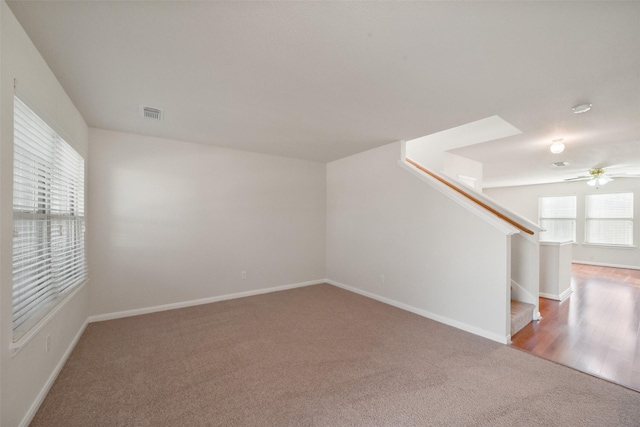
609,219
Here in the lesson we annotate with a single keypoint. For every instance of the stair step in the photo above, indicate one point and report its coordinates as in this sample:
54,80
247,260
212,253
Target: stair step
521,315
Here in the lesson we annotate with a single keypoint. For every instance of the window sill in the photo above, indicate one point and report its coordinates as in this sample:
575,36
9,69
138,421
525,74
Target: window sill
15,347
608,246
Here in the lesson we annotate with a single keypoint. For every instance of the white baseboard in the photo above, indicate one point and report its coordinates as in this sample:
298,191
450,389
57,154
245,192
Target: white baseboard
420,312
191,303
52,378
563,295
604,264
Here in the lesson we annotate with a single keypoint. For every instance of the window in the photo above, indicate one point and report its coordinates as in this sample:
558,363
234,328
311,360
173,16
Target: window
48,219
557,215
610,219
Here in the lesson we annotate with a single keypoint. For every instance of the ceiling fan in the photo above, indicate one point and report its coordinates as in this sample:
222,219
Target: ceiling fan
599,176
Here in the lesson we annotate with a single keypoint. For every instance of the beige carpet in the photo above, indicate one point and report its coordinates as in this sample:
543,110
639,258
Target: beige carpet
521,315
316,356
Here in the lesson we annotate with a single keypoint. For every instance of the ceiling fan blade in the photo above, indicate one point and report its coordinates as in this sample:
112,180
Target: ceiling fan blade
625,175
578,178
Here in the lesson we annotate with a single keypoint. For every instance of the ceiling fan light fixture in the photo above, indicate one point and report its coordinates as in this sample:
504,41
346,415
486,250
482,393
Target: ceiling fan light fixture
605,179
597,182
599,177
582,108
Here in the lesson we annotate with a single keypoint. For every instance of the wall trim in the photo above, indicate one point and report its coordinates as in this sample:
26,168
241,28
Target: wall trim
424,313
606,264
563,296
52,378
191,303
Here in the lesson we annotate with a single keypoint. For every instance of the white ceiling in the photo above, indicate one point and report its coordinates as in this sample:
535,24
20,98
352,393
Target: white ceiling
324,80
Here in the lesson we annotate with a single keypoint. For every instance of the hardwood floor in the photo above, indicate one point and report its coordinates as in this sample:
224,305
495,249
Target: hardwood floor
595,330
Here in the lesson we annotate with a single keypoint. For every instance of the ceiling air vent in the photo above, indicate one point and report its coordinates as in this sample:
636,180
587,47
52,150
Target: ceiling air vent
151,113
560,164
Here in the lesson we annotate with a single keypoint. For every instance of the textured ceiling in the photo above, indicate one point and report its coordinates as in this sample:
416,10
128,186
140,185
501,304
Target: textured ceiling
324,80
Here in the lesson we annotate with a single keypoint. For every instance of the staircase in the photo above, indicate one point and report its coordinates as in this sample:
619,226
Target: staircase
521,315
522,250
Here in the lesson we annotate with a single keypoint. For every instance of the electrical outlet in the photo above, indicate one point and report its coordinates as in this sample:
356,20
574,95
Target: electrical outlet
243,275
47,344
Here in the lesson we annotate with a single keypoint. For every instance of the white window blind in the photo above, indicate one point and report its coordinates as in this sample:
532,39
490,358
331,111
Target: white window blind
609,219
48,219
557,215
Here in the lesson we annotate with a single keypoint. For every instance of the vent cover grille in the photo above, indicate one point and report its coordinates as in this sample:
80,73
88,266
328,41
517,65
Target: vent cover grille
151,113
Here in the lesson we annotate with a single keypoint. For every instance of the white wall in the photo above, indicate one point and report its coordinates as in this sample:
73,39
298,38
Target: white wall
455,165
173,221
436,256
24,376
524,200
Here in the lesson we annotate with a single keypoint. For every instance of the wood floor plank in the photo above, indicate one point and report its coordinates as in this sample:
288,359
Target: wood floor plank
596,329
